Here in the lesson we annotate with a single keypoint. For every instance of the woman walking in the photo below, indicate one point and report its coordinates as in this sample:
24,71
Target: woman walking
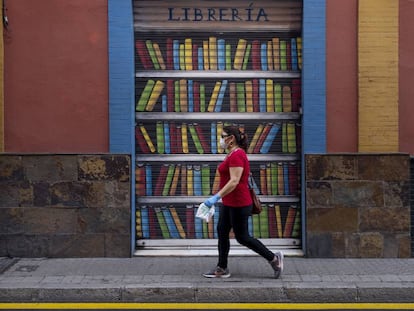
237,205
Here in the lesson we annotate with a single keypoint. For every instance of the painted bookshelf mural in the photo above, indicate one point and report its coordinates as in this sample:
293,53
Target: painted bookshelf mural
188,87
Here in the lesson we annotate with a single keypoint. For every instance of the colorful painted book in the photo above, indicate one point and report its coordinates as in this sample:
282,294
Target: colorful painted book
205,179
147,138
295,66
262,95
190,95
170,95
286,178
264,222
221,54
170,54
184,138
188,54
220,97
151,52
272,221
293,178
182,56
200,58
263,181
195,56
203,140
143,54
213,135
287,99
262,137
273,177
159,56
263,56
172,229
269,178
228,56
276,53
240,52
296,95
174,181
162,223
183,180
176,54
155,94
212,49
197,180
140,179
148,180
270,55
299,51
278,98
152,223
177,222
296,225
206,55
241,97
256,55
145,223
278,221
145,95
177,107
283,55
159,133
247,56
202,97
190,180
255,95
270,102
232,98
140,140
218,136
195,138
290,219
159,185
280,179
183,96
268,142
196,96
249,95
255,138
189,221
214,96
168,180
291,138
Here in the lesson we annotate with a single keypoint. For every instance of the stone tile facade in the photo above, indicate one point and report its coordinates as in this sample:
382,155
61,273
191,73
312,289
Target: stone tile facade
65,205
358,205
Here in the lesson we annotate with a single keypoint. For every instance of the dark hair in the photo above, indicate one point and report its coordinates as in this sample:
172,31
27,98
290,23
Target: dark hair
241,136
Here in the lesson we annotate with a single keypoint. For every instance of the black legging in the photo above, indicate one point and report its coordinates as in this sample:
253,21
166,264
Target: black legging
238,219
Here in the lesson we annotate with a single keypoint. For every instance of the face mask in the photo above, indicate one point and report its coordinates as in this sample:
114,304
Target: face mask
223,143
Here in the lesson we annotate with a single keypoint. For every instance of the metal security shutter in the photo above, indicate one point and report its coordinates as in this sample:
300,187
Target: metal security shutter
197,70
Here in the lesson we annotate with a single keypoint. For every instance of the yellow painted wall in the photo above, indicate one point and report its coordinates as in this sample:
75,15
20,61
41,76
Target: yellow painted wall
378,76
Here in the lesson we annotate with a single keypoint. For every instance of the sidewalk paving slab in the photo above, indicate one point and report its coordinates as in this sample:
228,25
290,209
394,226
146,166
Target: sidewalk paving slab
179,279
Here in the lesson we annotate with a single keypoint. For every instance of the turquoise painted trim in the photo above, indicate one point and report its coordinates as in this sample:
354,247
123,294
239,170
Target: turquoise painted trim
122,89
313,89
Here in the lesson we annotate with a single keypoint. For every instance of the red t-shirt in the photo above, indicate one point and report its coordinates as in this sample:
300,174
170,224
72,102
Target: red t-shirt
240,196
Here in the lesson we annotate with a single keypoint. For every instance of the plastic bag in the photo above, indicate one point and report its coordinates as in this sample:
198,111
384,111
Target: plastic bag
204,212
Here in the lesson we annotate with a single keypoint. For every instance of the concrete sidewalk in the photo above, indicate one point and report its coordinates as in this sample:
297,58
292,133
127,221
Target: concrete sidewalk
178,279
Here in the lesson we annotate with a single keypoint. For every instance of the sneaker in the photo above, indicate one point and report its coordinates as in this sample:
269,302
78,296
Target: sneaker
217,272
277,264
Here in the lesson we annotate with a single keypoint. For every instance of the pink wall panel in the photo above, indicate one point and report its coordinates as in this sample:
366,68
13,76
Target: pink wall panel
342,94
406,77
56,76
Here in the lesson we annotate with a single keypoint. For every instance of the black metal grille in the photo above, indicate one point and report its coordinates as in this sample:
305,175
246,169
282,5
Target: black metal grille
412,204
